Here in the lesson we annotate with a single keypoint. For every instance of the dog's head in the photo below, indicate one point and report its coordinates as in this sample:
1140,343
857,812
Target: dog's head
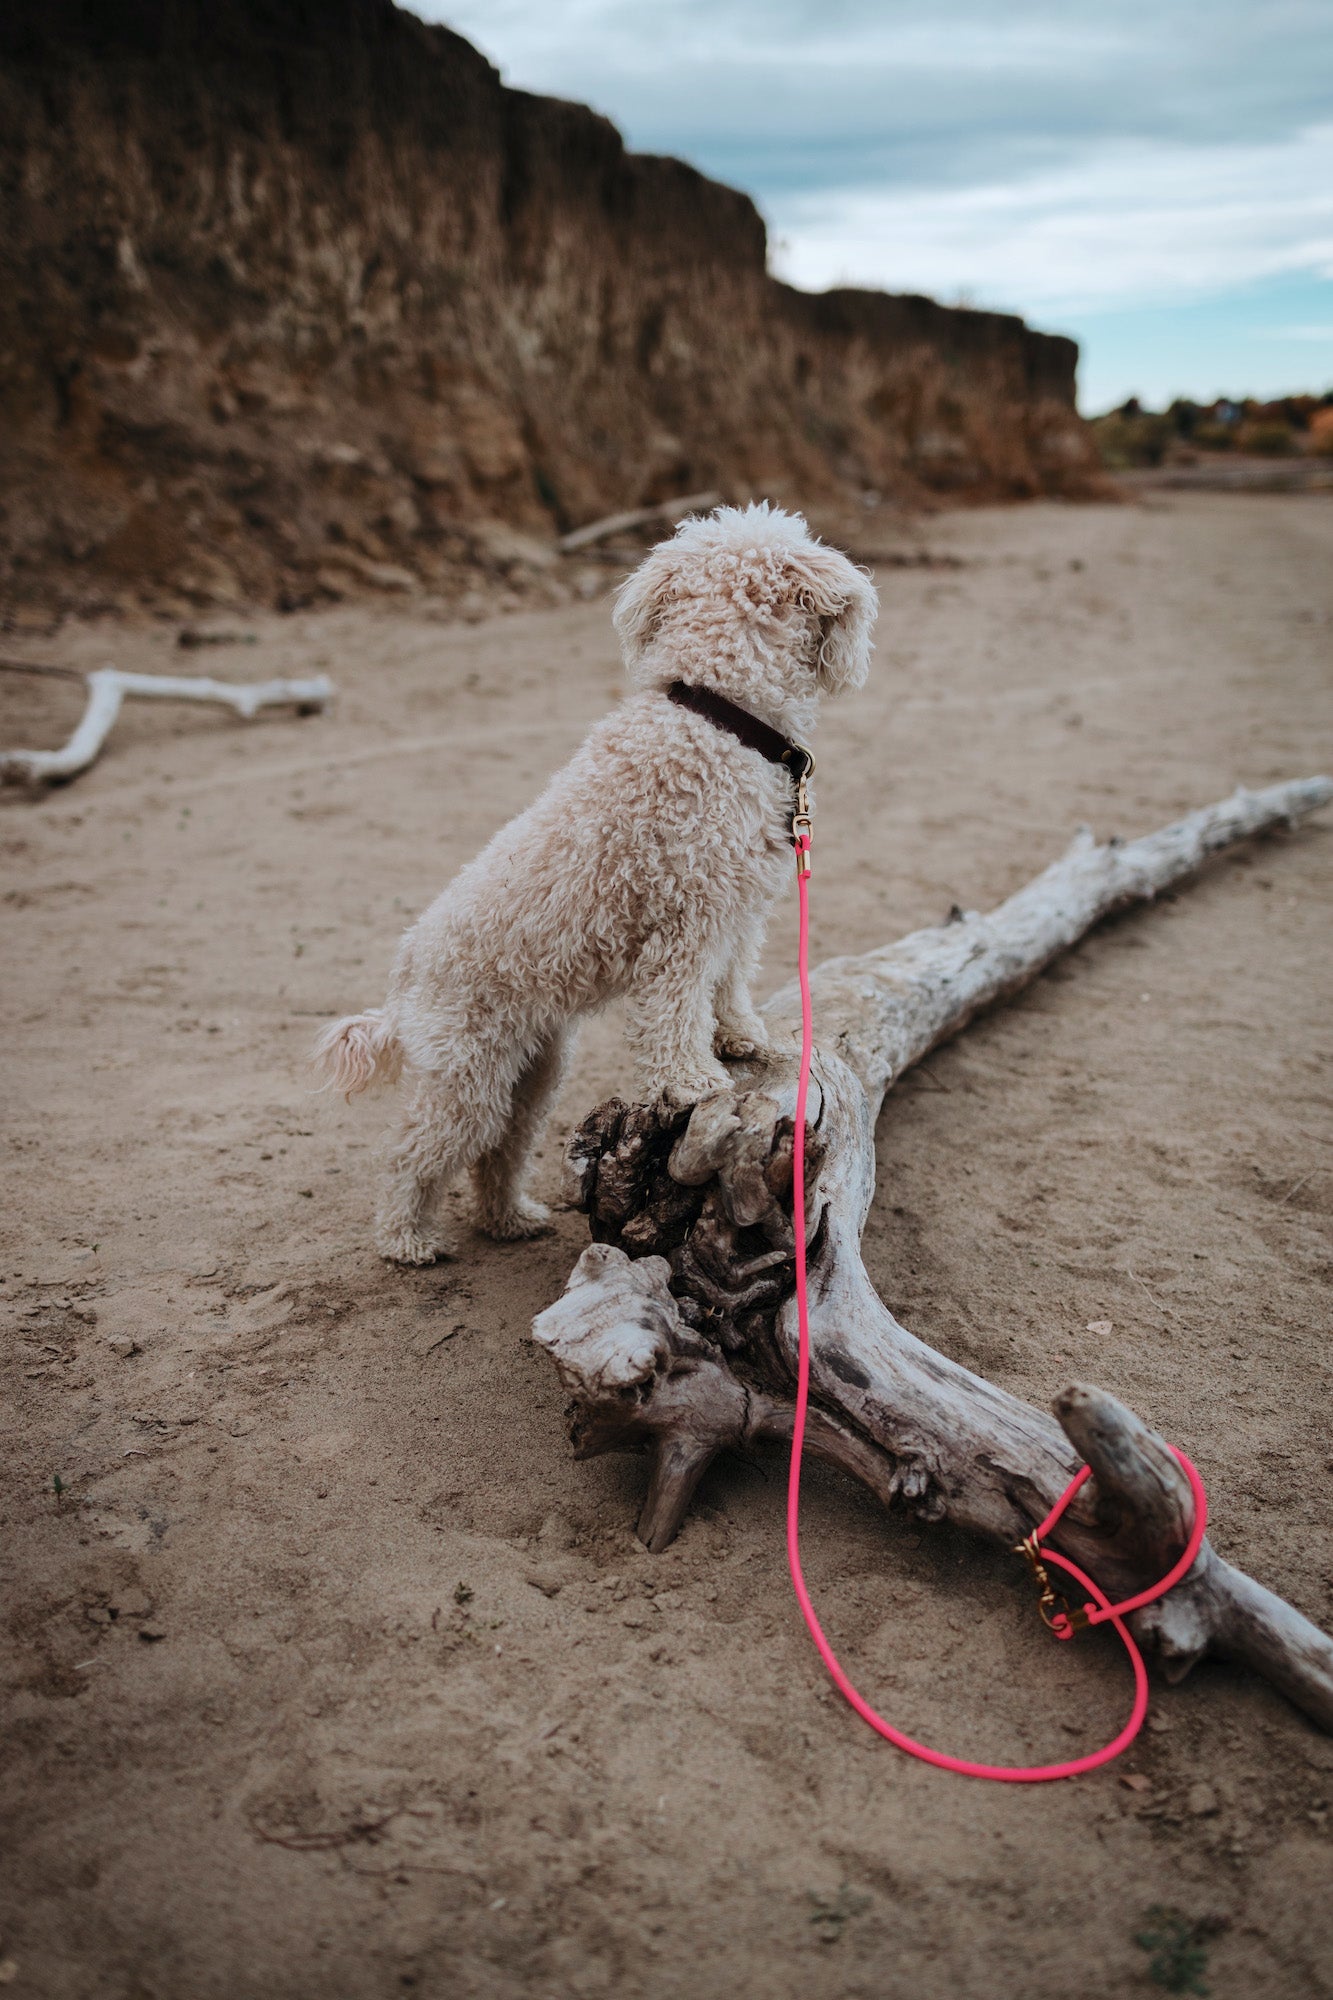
748,601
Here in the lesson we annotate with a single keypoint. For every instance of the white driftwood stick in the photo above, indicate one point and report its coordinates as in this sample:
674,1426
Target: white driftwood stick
685,1353
636,517
107,689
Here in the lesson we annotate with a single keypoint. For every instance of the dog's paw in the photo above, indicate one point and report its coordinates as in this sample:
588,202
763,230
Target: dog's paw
733,1046
411,1246
523,1220
679,1092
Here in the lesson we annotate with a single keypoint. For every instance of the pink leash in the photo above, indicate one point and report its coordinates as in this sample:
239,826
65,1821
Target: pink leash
1062,1621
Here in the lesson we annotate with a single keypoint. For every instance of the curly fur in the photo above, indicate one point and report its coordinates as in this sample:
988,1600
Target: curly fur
357,1051
646,869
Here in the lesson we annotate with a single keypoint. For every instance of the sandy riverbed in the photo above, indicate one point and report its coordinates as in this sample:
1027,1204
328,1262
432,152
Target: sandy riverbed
332,1673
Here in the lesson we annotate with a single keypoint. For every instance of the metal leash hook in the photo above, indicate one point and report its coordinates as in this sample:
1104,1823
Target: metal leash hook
1057,1613
802,827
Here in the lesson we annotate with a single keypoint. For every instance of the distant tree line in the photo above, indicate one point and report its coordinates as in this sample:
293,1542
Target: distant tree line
1132,436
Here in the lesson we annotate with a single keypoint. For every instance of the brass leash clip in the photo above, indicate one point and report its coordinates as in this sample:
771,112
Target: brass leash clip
801,824
1057,1614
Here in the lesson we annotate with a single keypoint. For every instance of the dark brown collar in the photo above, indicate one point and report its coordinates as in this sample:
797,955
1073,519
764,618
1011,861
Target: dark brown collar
746,728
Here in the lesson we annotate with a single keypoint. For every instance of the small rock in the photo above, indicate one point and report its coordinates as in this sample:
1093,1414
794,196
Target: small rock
1100,1327
190,637
389,576
381,575
435,466
9,1971
123,1345
97,1614
152,1632
1201,1800
545,1582
1136,1782
508,546
133,1604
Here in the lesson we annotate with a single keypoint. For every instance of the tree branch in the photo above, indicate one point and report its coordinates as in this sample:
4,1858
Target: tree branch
677,1331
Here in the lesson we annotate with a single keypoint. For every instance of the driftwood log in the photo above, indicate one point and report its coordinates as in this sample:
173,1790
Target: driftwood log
665,514
107,689
676,1334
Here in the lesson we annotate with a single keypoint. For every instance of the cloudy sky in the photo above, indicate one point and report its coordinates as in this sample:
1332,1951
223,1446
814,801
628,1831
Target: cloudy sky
1152,176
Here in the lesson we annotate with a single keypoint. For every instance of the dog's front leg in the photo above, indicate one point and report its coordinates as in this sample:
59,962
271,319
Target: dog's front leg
740,1032
670,1020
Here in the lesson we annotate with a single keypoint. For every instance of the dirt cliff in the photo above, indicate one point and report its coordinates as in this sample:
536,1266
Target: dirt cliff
297,298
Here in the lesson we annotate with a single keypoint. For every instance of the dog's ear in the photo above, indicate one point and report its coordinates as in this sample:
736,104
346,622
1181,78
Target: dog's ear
642,599
845,602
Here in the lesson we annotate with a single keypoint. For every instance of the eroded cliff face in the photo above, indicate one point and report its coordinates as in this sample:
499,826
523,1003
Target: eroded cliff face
297,298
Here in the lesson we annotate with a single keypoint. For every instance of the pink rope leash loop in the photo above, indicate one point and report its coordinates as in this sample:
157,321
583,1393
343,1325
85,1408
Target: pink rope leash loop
1096,1610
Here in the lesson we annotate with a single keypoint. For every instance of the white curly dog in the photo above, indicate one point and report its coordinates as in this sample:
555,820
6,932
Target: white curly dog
647,869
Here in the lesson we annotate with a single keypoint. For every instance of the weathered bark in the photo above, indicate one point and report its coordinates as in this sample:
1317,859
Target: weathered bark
677,1331
107,689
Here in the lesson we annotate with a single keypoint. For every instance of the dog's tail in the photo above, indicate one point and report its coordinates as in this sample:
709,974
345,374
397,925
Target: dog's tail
357,1051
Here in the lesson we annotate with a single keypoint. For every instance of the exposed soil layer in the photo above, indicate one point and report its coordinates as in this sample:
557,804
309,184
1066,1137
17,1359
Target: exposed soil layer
300,303
329,1673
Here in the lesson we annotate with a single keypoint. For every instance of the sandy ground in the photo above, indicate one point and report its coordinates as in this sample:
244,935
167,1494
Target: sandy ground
331,1673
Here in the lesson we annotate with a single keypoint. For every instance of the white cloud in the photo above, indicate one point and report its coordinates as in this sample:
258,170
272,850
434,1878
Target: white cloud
800,95
1127,224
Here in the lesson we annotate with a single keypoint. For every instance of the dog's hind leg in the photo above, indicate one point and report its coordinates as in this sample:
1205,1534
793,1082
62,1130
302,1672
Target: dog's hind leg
503,1210
449,1122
